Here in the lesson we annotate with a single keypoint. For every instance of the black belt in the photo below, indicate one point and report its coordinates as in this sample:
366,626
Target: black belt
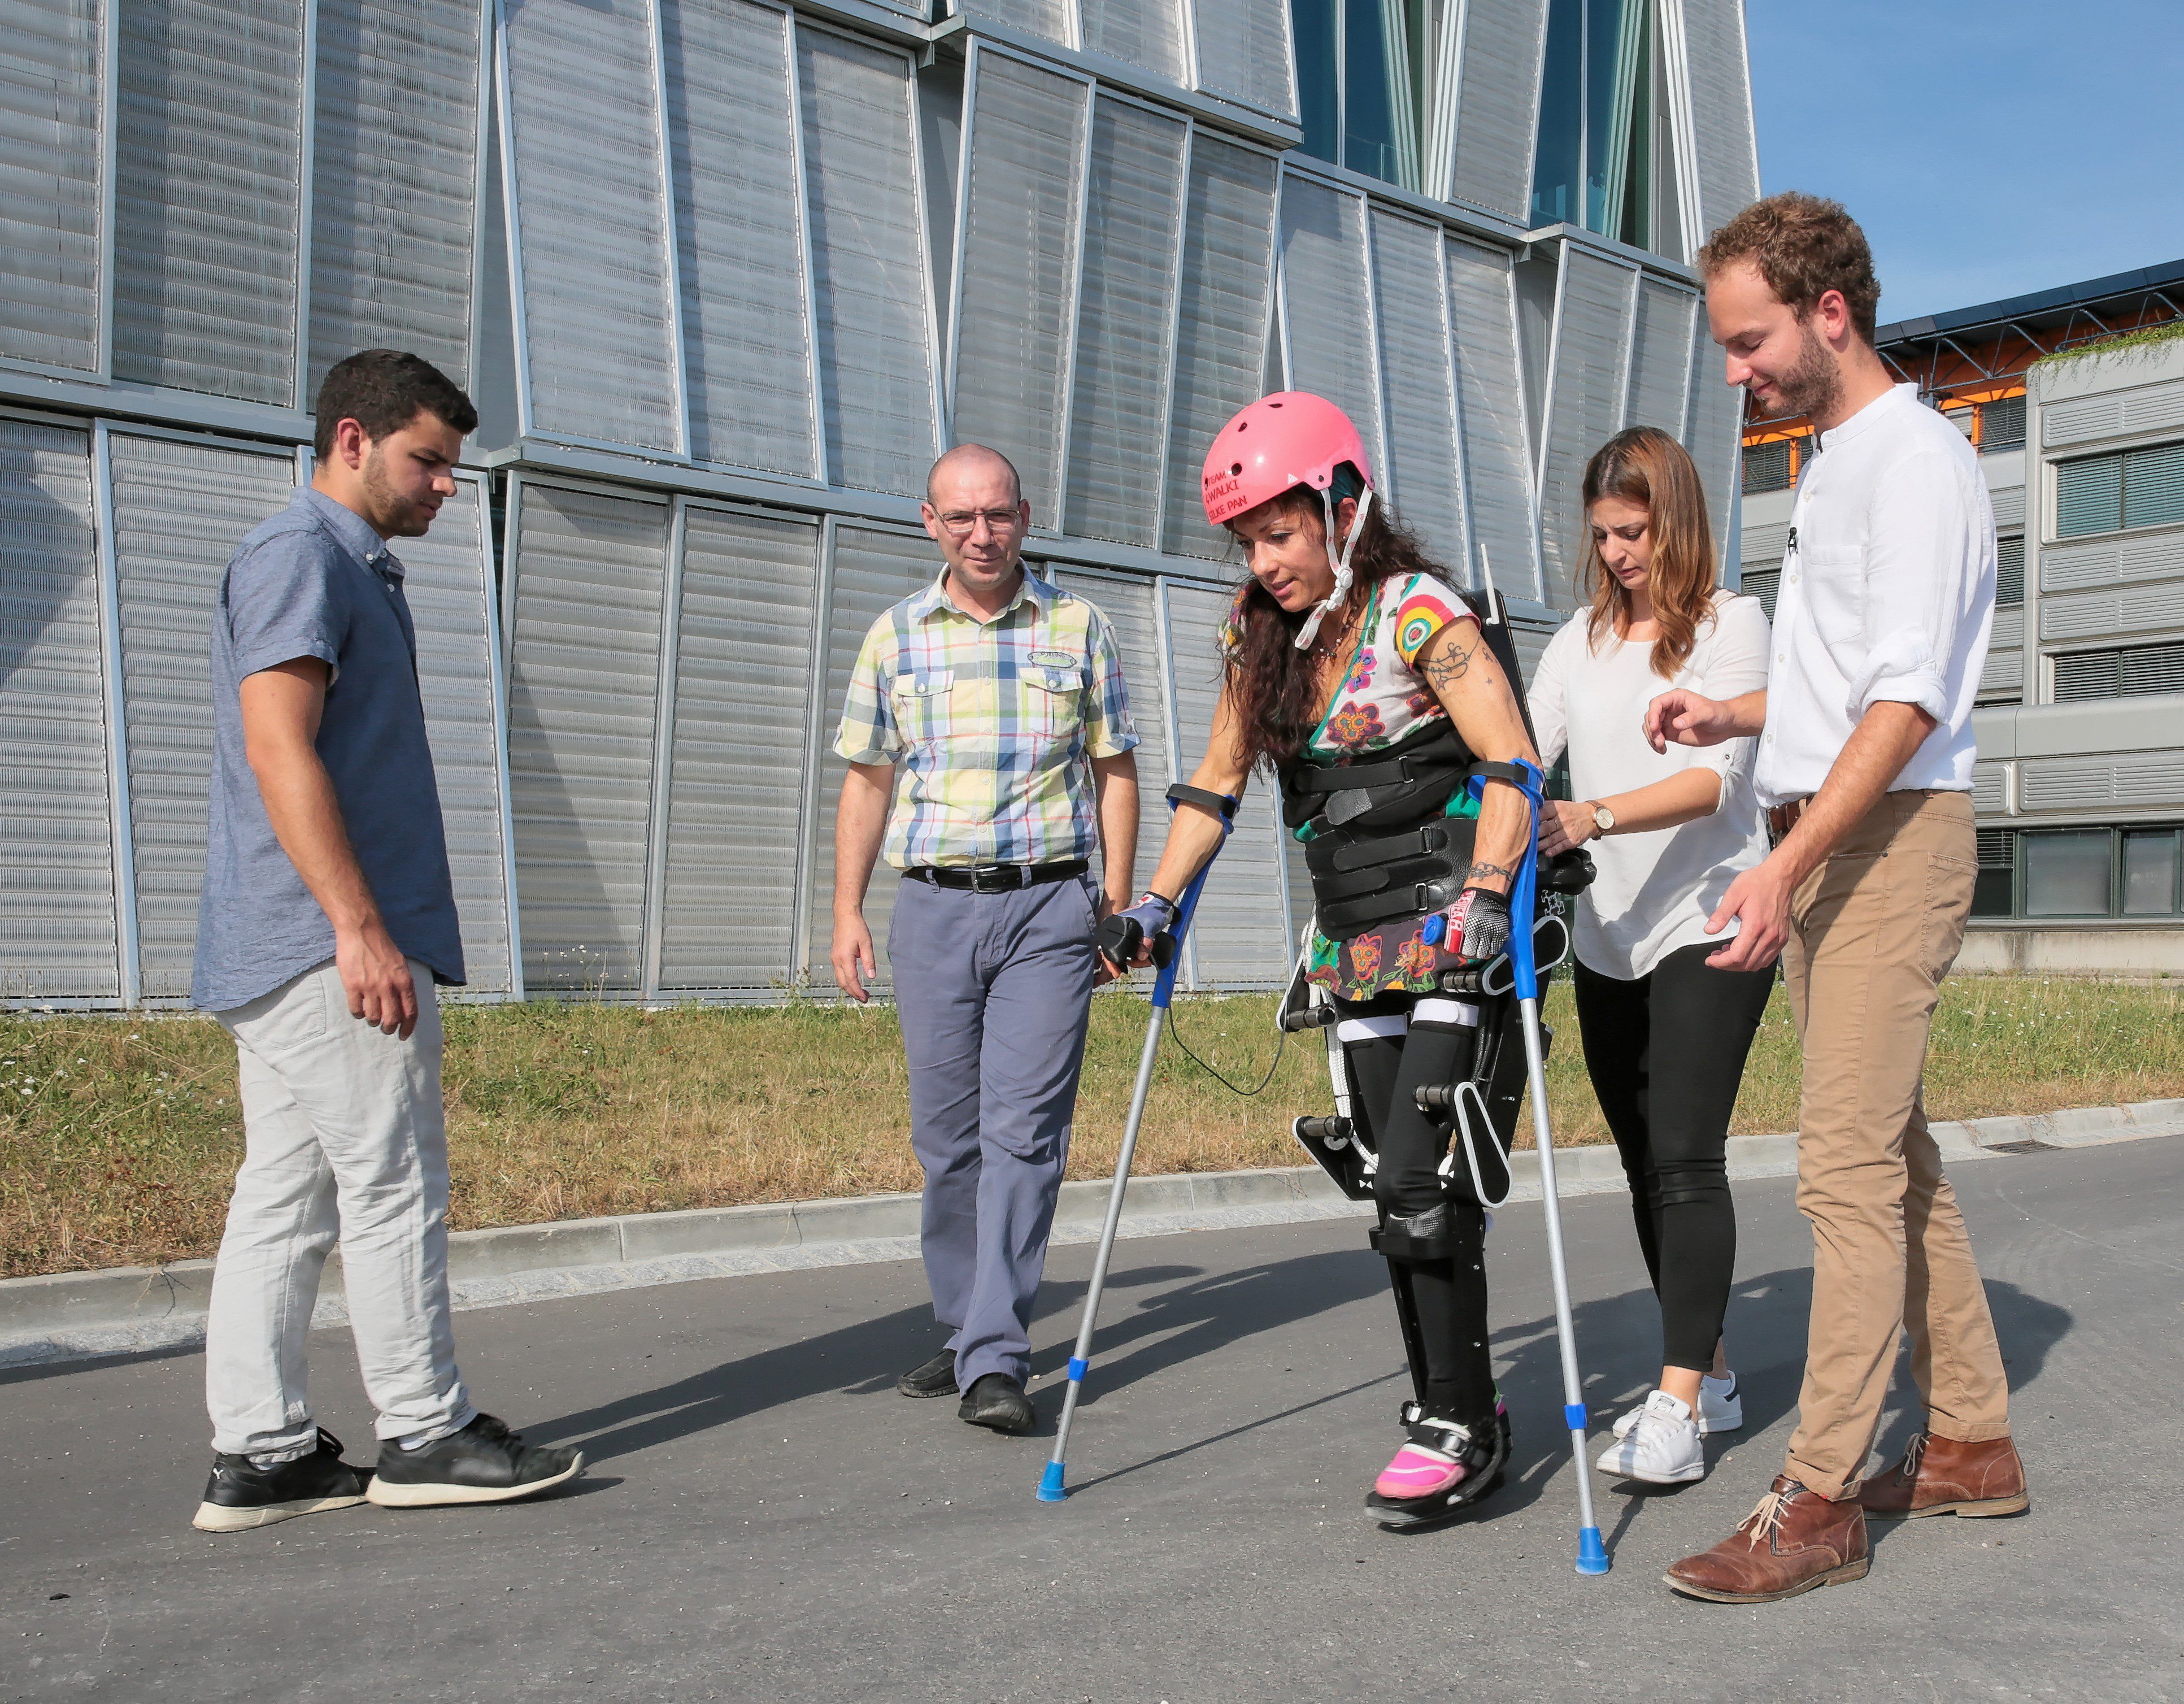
997,878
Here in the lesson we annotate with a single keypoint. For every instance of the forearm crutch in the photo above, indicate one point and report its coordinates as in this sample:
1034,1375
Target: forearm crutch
1525,980
1167,957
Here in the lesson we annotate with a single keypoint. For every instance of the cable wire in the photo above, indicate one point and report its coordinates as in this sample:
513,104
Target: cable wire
1281,1041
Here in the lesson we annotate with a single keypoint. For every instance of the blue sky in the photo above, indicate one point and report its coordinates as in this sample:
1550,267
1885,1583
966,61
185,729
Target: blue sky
1987,148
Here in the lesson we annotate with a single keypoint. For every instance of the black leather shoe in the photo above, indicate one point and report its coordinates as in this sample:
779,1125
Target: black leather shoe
997,1400
240,1495
933,1378
485,1463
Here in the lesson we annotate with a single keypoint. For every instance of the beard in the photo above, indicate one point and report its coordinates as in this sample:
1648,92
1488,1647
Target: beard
1815,385
397,516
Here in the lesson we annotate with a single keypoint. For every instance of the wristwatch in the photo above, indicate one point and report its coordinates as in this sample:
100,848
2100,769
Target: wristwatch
1603,819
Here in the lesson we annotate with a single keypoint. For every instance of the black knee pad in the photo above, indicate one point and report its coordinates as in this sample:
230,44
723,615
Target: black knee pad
1430,1235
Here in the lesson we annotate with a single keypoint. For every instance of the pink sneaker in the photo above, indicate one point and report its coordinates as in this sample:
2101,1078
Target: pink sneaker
1443,1468
1419,1472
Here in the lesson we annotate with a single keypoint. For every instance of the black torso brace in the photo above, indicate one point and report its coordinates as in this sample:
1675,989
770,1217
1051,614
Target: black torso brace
1382,846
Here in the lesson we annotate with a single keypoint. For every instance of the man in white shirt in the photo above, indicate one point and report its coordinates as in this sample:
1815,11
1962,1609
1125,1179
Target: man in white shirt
1865,759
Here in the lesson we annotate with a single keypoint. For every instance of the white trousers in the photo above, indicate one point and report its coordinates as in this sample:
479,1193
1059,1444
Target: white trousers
345,1139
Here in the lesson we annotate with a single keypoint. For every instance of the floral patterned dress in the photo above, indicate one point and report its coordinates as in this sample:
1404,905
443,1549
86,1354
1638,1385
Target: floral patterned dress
1383,699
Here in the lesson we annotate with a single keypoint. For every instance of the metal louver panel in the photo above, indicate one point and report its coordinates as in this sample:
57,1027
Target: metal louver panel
735,793
1017,268
1237,938
1244,53
1497,103
1144,33
1129,605
179,511
394,164
731,118
1410,304
1498,462
1222,323
585,583
2009,572
1586,391
2003,676
208,191
2113,562
2152,778
448,584
599,339
871,570
868,264
2086,615
1990,793
57,921
52,89
1047,18
1715,436
1762,583
1132,227
1660,364
1327,324
1727,152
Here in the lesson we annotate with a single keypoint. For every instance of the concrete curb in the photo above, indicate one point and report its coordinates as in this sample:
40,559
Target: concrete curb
128,1309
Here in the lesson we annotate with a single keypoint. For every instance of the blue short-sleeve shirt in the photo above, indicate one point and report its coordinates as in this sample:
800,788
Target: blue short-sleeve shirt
315,581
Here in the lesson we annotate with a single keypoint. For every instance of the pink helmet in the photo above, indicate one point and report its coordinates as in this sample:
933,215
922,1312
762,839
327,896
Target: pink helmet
1289,439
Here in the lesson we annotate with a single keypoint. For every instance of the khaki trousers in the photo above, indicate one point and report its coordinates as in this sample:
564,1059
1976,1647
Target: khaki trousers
1873,932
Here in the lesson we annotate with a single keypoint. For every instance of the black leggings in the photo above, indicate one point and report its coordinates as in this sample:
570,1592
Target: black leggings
1670,1129
1385,1073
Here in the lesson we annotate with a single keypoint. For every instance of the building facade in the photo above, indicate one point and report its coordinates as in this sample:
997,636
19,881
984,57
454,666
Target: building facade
2074,399
724,276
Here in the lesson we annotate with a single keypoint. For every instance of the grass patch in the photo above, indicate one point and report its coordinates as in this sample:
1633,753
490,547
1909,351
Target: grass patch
120,1137
2145,337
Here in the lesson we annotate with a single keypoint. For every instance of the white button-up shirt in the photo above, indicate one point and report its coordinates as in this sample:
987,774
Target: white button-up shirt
1887,593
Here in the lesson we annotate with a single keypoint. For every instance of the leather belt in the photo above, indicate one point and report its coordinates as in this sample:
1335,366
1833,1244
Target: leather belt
1782,818
997,878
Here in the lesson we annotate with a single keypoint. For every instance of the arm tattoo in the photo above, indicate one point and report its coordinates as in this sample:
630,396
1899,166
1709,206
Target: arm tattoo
1501,870
1449,665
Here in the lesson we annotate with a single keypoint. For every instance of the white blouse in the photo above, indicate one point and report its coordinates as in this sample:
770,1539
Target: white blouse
1654,891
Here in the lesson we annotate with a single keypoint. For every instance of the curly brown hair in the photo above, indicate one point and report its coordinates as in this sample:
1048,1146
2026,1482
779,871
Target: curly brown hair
1645,466
1276,689
1804,245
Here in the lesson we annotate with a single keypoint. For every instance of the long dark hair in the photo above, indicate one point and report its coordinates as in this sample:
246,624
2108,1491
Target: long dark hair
1645,466
1275,688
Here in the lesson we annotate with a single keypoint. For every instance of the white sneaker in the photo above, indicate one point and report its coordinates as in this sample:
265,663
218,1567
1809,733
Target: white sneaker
1662,1449
1720,1408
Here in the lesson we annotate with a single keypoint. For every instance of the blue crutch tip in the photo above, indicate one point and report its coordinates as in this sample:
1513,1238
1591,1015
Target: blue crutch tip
1591,1554
1051,1490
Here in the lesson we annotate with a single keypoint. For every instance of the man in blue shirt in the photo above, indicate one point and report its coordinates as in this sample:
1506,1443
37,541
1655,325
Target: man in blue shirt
328,915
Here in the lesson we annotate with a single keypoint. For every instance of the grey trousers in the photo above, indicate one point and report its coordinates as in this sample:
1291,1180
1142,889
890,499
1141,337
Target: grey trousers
343,1138
993,991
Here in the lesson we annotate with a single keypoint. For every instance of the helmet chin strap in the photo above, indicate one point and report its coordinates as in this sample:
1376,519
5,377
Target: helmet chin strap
1340,564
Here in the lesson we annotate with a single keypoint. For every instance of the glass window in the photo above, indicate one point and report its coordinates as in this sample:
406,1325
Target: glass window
2009,572
2149,873
2089,496
1370,67
2067,873
1318,99
1762,583
2153,485
1560,156
2002,424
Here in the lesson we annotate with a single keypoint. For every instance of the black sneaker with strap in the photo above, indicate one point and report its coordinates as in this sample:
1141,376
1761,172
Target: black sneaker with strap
485,1463
241,1495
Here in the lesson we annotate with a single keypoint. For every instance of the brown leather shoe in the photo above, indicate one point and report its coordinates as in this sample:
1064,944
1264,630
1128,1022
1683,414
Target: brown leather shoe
1939,1476
1794,1540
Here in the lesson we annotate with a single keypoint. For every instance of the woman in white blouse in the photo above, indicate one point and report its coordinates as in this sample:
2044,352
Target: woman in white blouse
1665,1032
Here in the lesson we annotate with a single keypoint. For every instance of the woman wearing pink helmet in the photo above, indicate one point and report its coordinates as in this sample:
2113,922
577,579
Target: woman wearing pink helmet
1362,679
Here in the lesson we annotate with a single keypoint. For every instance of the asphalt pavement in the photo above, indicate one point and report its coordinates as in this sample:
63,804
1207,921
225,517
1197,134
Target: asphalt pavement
765,1519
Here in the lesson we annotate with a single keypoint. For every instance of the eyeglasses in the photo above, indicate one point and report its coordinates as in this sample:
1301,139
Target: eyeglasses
961,523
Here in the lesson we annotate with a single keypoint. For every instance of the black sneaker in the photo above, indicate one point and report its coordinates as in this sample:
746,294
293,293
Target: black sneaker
241,1495
997,1400
485,1463
933,1378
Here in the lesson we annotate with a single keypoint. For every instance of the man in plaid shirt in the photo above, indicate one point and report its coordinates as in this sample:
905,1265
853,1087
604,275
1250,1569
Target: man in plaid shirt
1000,698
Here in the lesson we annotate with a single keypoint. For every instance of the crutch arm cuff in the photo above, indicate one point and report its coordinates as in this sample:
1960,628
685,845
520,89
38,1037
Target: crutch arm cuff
1222,804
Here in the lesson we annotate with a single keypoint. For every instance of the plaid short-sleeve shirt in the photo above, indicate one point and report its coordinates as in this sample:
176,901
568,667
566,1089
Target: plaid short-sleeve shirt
993,724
